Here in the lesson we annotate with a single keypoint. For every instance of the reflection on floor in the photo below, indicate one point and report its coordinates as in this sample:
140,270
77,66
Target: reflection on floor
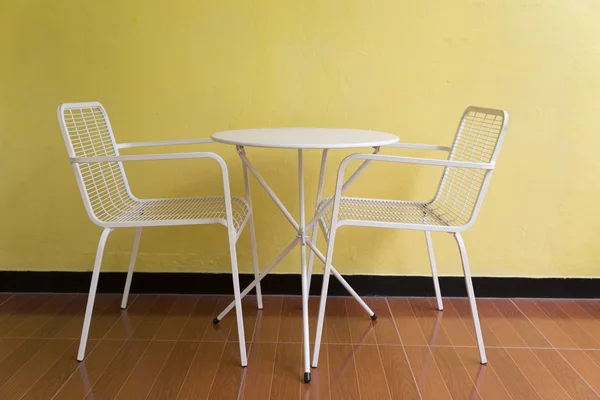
165,347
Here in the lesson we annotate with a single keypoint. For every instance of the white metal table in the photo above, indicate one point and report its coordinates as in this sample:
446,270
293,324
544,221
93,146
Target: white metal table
300,139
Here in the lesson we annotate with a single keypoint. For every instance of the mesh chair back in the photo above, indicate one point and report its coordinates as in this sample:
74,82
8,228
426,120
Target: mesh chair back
478,139
87,133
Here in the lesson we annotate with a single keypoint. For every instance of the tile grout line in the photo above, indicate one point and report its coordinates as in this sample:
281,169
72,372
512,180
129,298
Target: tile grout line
245,370
103,338
187,320
166,314
492,370
575,321
26,362
341,343
48,369
469,328
352,351
474,389
328,370
51,316
216,370
129,338
28,315
387,384
127,321
275,355
528,380
187,373
429,348
135,366
81,313
482,323
412,373
585,310
412,311
255,336
3,318
577,372
510,323
8,298
13,349
593,361
553,348
211,321
66,322
551,319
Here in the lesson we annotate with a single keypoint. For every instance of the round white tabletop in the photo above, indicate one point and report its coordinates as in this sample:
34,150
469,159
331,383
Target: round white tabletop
305,138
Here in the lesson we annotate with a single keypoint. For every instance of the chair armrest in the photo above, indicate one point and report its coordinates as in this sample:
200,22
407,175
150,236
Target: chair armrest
172,156
339,188
164,143
420,146
414,160
147,157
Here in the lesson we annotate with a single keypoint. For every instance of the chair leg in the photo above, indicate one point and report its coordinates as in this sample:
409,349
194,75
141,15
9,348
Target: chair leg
324,289
253,239
92,295
471,293
134,251
255,262
237,297
436,282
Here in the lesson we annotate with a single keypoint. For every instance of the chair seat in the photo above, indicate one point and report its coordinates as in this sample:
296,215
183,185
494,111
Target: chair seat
357,211
181,211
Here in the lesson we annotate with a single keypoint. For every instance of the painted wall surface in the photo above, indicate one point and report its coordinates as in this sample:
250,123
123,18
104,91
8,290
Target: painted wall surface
185,69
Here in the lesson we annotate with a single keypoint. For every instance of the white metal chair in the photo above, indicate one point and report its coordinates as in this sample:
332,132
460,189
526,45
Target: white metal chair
108,200
453,209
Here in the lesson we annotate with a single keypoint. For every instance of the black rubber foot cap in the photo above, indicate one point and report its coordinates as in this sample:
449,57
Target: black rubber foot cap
216,321
374,316
307,377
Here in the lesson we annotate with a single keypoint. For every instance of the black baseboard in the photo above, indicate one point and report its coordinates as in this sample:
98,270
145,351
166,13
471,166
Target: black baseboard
368,285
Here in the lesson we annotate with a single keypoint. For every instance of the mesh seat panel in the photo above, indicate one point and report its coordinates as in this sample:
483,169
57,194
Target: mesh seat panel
199,210
389,211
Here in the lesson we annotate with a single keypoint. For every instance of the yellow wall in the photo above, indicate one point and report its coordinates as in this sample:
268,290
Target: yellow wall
184,69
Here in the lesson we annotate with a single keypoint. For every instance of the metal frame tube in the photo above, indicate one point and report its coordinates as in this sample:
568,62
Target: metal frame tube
434,274
252,235
471,293
92,294
304,272
315,228
134,251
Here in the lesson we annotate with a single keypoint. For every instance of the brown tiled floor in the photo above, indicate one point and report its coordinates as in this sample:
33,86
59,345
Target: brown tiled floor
165,347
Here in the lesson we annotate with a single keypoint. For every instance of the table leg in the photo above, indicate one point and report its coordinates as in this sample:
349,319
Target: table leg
310,225
301,229
344,283
304,271
315,228
257,280
252,236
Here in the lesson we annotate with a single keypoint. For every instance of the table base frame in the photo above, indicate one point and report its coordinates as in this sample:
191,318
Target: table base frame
301,239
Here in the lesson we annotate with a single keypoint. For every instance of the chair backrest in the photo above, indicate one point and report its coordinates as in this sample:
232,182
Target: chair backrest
103,186
478,138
